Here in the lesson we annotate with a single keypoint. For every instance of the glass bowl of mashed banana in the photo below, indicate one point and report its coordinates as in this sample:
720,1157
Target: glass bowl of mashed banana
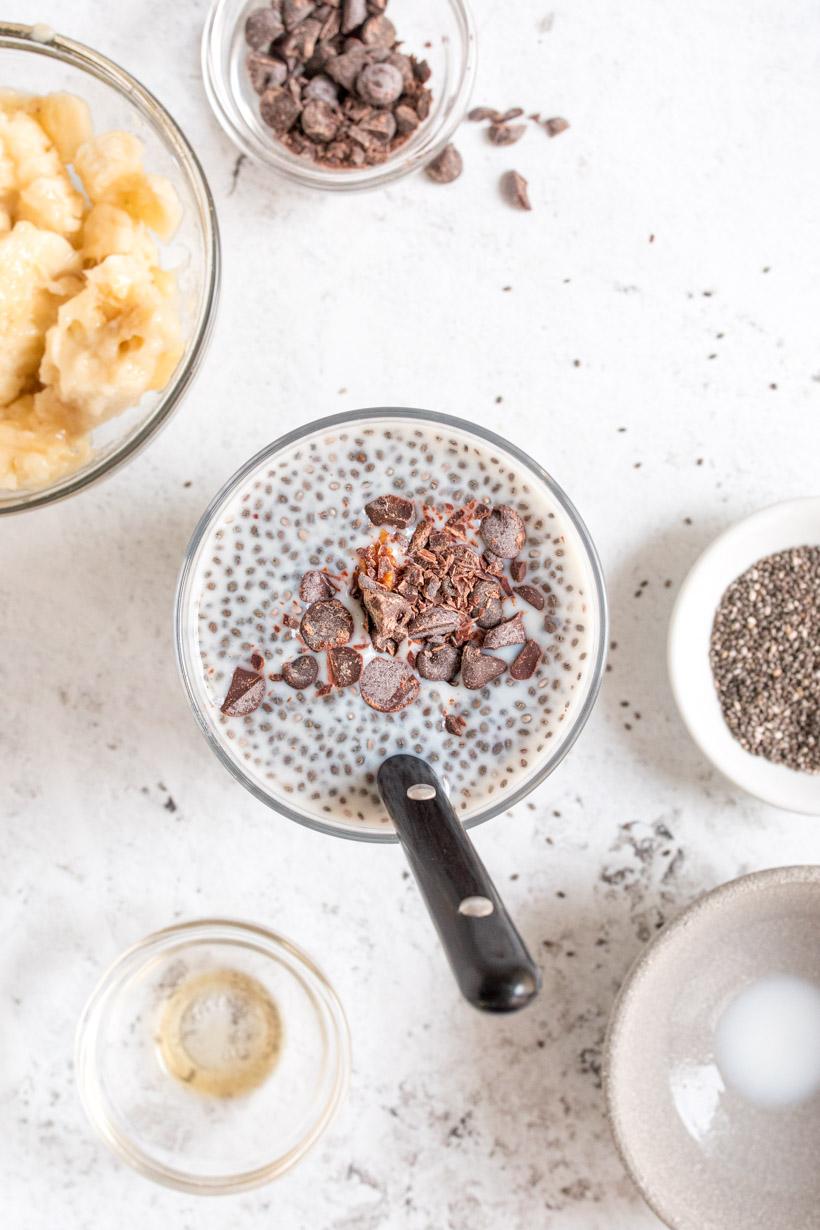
109,266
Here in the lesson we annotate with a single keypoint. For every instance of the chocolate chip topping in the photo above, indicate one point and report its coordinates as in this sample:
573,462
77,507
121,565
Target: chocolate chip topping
314,586
246,693
455,724
438,663
262,26
531,595
388,611
518,569
526,662
503,532
326,624
514,188
486,606
478,669
506,134
437,621
301,672
345,666
388,684
390,510
511,632
379,84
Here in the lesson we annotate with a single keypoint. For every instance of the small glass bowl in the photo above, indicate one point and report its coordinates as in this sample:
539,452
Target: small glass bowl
174,1134
35,60
440,31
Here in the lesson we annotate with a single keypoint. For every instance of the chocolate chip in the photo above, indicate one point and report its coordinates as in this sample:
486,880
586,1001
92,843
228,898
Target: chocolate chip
509,633
321,89
556,125
506,134
503,533
446,167
379,31
437,621
513,113
326,624
388,684
278,109
301,672
482,113
455,724
353,14
345,666
295,11
257,662
246,693
345,68
478,669
262,26
264,71
531,595
314,586
390,510
518,569
422,71
379,127
486,606
514,188
406,119
526,662
320,120
389,611
439,664
379,84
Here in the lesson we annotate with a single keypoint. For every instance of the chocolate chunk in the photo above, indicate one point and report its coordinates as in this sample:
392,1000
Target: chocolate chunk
526,662
446,167
314,586
262,26
246,693
379,31
485,604
295,11
511,632
514,189
556,125
389,611
439,664
388,684
518,569
264,71
354,13
379,84
506,134
390,510
344,69
420,536
278,109
455,724
345,666
478,669
326,624
532,595
379,127
301,672
407,120
320,120
435,621
321,89
503,532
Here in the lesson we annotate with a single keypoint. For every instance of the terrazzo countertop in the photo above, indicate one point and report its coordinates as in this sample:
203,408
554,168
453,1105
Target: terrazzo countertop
657,352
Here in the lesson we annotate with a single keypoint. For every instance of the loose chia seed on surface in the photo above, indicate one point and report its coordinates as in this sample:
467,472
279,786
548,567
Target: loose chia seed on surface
765,658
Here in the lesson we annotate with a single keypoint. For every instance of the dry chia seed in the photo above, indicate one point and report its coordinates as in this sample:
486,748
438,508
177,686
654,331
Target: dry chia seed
765,658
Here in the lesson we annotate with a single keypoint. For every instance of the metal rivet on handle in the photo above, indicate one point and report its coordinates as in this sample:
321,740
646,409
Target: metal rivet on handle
421,791
476,907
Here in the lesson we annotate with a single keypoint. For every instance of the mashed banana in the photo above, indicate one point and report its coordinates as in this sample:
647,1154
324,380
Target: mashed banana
89,322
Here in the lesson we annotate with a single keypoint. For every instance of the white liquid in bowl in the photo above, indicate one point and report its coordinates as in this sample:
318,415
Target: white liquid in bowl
767,1042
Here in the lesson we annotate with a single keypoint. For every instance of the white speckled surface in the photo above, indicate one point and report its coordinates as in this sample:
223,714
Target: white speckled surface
698,123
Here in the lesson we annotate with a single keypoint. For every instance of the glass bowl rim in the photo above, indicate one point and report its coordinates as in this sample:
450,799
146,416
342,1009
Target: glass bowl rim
42,40
301,171
345,418
227,930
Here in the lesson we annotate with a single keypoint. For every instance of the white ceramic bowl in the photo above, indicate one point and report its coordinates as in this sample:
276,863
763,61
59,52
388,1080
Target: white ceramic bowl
794,523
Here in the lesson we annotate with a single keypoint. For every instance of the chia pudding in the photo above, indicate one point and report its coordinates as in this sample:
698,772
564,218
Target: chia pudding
389,585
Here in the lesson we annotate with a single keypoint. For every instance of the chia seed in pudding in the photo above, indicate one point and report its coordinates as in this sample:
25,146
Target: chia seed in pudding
293,588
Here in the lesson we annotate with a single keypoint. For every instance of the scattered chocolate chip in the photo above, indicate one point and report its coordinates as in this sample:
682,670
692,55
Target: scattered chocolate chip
257,662
390,510
326,624
506,134
388,684
455,724
262,26
512,114
556,126
301,672
485,604
478,669
320,120
503,532
511,632
478,114
434,621
264,71
314,586
446,167
246,693
526,662
531,595
518,569
514,188
345,666
278,109
438,664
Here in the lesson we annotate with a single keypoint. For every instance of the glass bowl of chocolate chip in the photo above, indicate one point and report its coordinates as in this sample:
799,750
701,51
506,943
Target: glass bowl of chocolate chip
389,581
340,95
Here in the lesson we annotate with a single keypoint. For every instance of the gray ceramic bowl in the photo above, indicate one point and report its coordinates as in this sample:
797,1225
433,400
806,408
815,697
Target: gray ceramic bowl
703,1156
